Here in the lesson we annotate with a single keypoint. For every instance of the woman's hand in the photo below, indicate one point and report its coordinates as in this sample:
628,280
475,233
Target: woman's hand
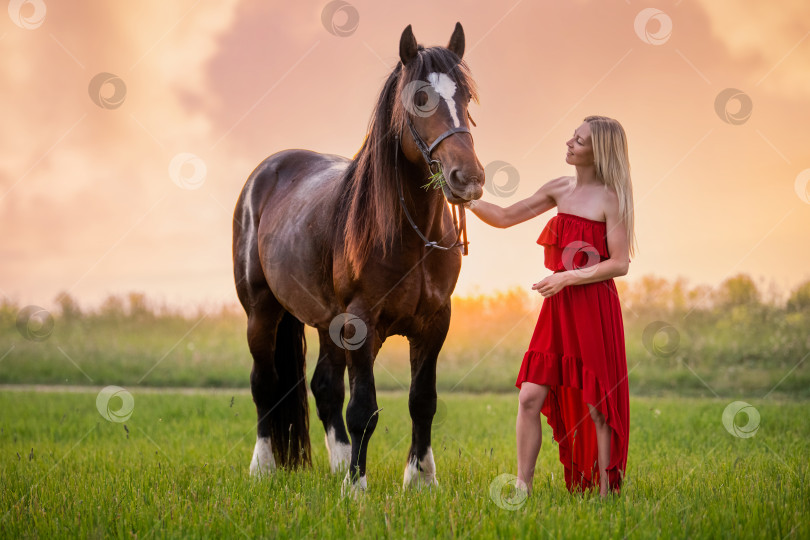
551,285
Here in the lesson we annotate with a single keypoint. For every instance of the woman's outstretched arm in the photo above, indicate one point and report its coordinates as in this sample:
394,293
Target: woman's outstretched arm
501,217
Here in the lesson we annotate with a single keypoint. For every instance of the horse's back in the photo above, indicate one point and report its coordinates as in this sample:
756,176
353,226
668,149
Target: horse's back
286,190
283,171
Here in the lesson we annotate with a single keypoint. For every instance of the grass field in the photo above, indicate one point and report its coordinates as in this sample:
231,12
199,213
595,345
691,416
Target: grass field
178,468
747,348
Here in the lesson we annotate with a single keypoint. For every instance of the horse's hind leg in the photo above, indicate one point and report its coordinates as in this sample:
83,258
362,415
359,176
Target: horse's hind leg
278,384
329,389
421,468
263,320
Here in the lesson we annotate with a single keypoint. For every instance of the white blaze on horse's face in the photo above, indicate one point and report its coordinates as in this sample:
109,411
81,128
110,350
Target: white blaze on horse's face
446,88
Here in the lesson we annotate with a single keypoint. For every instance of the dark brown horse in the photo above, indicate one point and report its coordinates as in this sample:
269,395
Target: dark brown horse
322,240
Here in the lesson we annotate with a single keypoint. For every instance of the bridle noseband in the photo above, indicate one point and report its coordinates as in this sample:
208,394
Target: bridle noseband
427,151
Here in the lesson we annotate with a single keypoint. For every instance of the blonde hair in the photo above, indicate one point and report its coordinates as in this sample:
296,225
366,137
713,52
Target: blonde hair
612,164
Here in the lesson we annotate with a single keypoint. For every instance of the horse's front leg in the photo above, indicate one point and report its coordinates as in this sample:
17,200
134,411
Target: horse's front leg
425,346
361,412
329,391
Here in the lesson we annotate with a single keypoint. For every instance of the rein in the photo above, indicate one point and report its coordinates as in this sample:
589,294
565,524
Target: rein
426,151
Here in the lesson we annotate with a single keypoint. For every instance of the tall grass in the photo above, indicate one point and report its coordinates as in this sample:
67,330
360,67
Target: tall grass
733,339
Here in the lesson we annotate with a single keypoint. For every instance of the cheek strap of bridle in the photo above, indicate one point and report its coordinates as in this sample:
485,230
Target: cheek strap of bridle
461,228
426,150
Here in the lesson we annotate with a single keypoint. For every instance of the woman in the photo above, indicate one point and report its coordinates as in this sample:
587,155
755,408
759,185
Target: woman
575,367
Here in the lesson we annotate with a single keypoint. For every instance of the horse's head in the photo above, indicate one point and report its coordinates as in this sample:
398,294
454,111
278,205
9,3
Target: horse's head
435,89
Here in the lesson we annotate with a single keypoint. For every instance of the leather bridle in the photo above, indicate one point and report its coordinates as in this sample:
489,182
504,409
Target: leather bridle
427,151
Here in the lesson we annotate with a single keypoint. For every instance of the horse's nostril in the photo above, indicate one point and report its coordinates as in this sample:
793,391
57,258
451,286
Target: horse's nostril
460,179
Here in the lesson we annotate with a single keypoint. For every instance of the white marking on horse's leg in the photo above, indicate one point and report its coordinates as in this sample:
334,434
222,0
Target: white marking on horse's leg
339,453
263,461
410,472
422,473
356,489
446,88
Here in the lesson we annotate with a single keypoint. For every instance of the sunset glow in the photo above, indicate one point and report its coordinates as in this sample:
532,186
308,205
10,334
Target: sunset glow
129,129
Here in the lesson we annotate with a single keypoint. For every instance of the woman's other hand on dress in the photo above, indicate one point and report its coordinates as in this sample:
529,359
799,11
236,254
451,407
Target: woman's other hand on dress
551,285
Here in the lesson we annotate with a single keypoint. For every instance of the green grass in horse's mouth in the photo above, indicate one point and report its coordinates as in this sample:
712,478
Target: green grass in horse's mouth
436,180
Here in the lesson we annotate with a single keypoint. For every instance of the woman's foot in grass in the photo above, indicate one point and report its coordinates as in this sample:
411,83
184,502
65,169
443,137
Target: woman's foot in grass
520,485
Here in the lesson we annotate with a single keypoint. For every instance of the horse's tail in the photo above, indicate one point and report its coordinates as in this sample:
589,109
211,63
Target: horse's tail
289,417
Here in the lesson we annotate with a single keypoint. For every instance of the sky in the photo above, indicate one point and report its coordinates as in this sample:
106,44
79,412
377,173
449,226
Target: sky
129,129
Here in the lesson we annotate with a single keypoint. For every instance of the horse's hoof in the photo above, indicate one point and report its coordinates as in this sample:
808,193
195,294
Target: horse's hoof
339,453
355,490
263,461
422,473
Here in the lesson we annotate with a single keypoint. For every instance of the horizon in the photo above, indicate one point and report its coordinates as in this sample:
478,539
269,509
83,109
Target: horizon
768,294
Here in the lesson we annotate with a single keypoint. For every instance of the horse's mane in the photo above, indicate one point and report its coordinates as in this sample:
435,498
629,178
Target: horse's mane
367,213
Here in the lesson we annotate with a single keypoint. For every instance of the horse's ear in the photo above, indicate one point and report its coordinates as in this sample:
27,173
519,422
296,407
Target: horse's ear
456,44
407,46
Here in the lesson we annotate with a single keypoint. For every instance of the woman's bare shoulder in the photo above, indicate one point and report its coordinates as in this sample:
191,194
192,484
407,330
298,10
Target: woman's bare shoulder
559,186
610,201
563,181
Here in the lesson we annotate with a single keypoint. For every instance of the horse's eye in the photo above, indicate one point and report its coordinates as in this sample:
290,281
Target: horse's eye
420,99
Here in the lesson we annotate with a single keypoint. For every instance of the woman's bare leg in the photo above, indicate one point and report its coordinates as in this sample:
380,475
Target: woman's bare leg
603,433
529,431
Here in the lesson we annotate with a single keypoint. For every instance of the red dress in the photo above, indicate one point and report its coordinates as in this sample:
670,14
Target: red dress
577,349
